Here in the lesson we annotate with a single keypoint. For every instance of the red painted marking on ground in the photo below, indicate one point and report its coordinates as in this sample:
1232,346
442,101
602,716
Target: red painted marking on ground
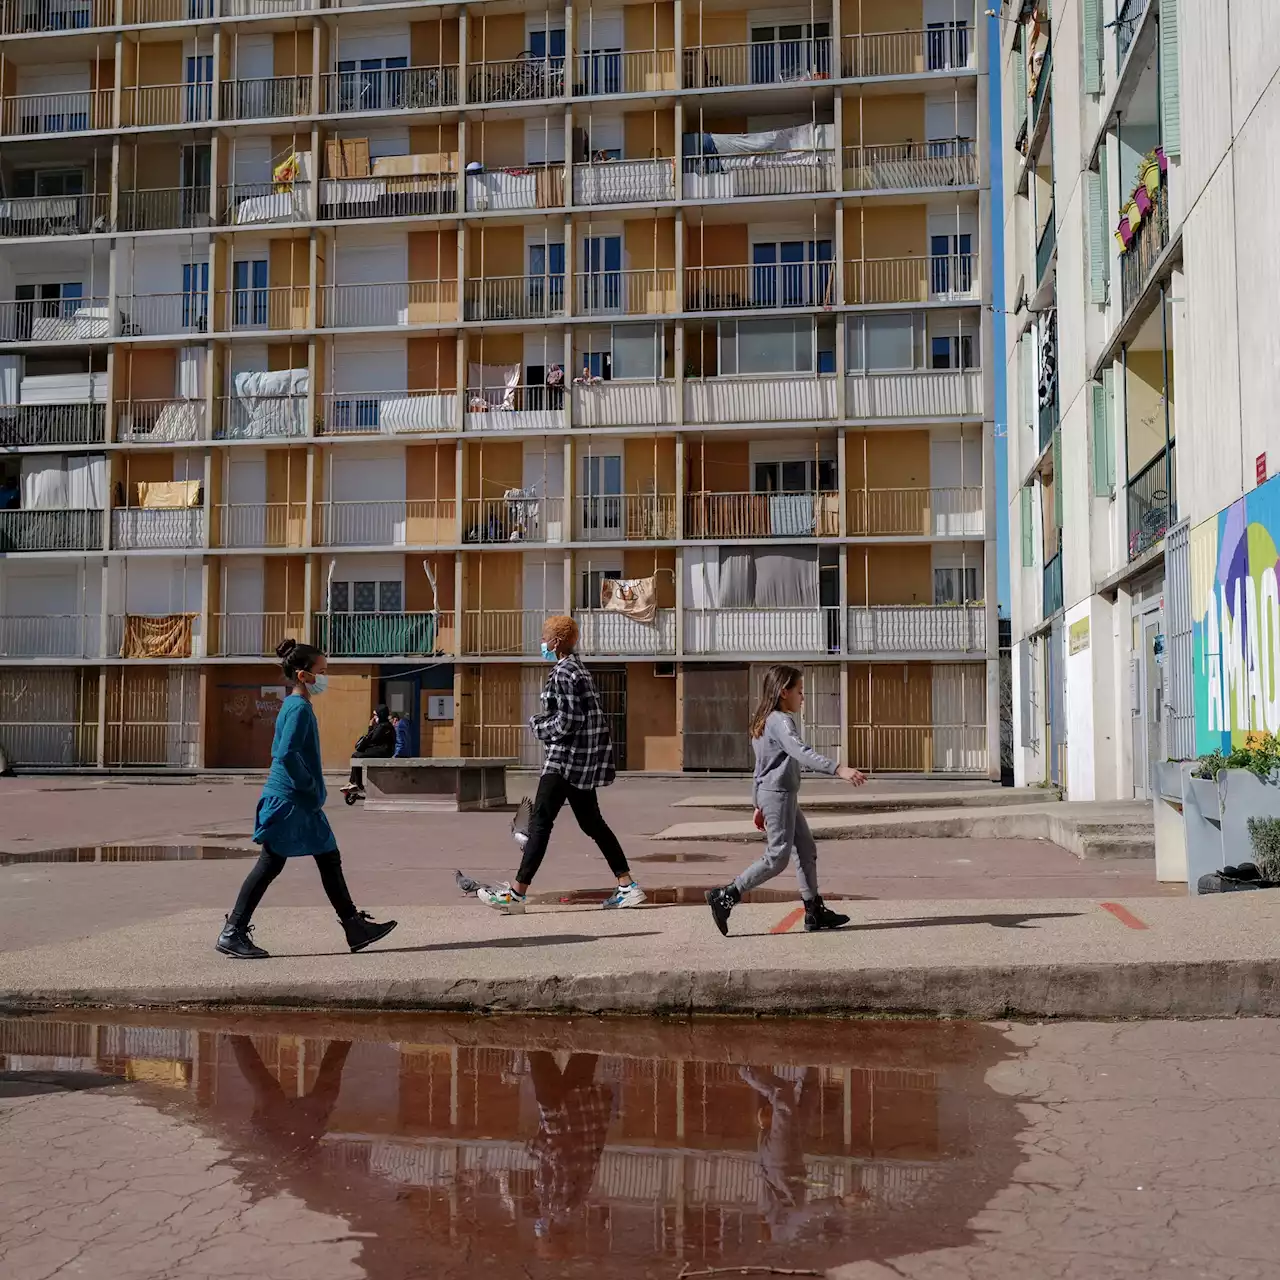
1123,914
788,920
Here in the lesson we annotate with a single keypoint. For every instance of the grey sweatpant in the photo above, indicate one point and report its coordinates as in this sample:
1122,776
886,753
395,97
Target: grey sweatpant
784,829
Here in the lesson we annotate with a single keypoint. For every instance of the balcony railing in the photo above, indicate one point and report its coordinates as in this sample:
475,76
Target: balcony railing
152,104
393,89
515,408
721,516
911,629
930,513
146,529
250,203
1041,93
495,633
261,417
282,306
380,306
50,636
34,114
919,748
266,98
1045,246
164,208
389,412
534,187
1153,502
420,522
46,16
800,284
154,637
1149,242
1052,586
1129,15
633,293
928,393
160,421
55,320
252,635
25,425
383,635
624,71
800,630
624,404
396,195
260,524
625,181
625,517
908,53
928,278
1047,416
51,530
164,313
766,173
78,215
523,79
516,519
911,166
515,298
604,634
715,66
749,398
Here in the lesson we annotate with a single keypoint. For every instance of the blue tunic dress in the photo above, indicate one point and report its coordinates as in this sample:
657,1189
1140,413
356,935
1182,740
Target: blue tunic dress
290,818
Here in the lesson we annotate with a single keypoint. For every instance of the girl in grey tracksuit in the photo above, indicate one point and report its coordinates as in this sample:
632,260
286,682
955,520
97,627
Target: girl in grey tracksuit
775,792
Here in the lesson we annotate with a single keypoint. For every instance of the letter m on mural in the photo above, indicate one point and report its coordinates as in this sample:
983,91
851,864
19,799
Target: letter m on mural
1235,606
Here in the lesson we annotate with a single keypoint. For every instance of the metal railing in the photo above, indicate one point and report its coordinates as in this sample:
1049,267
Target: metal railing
624,181
801,284
918,748
266,98
909,166
624,403
515,298
917,629
625,517
159,421
382,635
48,16
150,104
513,520
645,292
713,66
157,313
908,53
522,79
252,635
623,71
33,114
163,208
761,515
530,187
759,398
1045,245
25,425
141,12
145,529
50,636
248,203
260,524
1041,94
283,306
1047,417
1052,595
1153,502
1148,243
875,280
55,320
497,407
393,523
75,215
388,89
802,629
766,173
261,417
1129,17
51,530
397,195
915,512
388,412
492,633
370,306
603,633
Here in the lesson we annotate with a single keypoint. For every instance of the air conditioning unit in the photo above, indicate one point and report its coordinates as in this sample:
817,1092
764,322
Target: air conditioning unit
664,670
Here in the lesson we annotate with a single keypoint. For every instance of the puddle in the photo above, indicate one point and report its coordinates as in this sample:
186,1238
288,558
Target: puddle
683,895
681,857
130,853
543,1148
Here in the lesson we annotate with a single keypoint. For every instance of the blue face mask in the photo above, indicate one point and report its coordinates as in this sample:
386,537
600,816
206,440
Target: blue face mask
549,654
318,685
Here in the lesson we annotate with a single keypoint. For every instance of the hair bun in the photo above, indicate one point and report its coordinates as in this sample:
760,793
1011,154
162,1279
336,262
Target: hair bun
285,648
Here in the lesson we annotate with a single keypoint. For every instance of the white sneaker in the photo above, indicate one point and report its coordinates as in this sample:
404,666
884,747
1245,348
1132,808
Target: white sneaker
631,895
502,897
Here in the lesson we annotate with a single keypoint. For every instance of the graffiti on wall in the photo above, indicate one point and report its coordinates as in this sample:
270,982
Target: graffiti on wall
1235,608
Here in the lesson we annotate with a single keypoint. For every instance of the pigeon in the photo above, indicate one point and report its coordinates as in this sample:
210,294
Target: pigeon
466,883
520,823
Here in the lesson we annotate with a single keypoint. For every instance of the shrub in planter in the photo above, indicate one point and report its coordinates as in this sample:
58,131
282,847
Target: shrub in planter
1264,835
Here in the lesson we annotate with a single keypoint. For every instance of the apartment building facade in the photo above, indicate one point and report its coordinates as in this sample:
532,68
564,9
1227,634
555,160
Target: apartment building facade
400,326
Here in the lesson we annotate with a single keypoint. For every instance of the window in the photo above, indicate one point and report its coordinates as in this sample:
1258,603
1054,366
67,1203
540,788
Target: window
602,489
249,292
195,295
371,84
602,273
947,45
795,51
199,81
356,414
599,364
548,45
637,351
48,182
955,586
808,475
784,345
46,302
390,597
546,278
592,579
885,343
791,273
340,597
386,596
951,263
951,353
602,73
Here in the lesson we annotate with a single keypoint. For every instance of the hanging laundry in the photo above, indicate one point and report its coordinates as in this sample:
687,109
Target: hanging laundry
635,597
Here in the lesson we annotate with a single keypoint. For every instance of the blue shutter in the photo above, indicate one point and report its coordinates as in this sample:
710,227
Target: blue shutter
1099,240
1091,16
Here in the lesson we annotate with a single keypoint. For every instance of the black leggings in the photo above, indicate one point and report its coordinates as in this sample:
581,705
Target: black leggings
270,865
553,791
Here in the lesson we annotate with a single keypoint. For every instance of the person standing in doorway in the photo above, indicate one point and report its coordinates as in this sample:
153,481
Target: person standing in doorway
775,792
578,760
404,748
290,821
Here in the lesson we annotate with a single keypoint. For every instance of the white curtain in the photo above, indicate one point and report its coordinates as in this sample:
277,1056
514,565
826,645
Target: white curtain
87,482
44,484
702,577
191,369
10,375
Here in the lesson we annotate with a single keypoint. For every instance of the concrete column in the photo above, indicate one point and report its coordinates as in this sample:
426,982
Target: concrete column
215,107
460,374
679,160
462,56
458,472
100,747
461,198
679,42
567,364
569,523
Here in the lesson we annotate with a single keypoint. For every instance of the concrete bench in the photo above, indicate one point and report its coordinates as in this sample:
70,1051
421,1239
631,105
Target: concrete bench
416,784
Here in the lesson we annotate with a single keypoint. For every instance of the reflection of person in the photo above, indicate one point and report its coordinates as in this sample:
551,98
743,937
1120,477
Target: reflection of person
784,1123
292,1126
573,1122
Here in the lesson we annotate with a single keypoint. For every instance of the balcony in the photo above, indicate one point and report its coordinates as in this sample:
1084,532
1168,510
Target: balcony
625,182
261,417
385,306
51,530
163,209
1052,595
523,79
504,190
366,413
746,398
917,396
946,277
513,519
911,166
260,524
51,636
1129,15
764,173
514,298
254,203
386,523
764,632
1148,243
1047,416
1046,246
145,529
768,287
392,195
959,749
75,215
605,634
160,421
164,313
45,16
626,71
498,633
383,635
157,637
917,629
1153,503
629,293
908,53
625,517
1041,93
624,404
27,425
160,104
251,635
266,98
518,407
718,517
395,89
917,513
283,307
30,115
715,66
55,320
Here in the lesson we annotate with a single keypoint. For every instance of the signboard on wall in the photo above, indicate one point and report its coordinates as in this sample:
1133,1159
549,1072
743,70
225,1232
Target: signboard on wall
1078,636
1235,609
439,706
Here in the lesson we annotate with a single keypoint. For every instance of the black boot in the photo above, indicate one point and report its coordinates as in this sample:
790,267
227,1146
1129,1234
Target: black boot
236,941
722,901
363,930
818,916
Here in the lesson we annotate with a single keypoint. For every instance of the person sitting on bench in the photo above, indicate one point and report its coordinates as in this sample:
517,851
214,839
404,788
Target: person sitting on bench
378,744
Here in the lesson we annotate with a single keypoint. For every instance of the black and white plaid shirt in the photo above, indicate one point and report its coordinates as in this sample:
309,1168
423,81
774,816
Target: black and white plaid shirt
573,728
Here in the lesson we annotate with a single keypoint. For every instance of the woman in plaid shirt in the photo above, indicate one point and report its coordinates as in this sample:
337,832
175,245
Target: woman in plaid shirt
578,760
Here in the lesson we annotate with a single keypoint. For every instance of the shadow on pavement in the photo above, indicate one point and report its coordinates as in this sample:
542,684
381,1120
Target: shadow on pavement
479,944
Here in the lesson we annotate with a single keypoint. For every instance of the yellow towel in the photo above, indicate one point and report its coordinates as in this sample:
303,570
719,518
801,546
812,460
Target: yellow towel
170,494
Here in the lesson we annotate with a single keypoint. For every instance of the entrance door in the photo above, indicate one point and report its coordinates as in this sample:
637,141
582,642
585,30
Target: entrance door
611,685
1055,680
401,696
1148,748
717,709
602,498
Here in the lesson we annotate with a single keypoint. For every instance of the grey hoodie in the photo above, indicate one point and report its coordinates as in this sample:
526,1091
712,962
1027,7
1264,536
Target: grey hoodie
779,755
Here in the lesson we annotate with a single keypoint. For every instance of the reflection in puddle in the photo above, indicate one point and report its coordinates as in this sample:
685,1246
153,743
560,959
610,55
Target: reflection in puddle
680,857
683,895
542,1147
130,853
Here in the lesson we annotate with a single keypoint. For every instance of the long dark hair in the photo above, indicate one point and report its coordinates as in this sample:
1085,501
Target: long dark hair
776,681
295,657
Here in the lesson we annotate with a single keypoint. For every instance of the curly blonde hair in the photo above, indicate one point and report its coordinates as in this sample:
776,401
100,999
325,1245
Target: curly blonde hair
561,633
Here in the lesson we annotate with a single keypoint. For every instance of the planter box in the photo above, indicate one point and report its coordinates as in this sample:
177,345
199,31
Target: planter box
1169,780
1216,819
1169,823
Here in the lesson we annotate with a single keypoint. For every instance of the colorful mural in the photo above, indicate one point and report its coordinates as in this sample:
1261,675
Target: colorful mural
1235,607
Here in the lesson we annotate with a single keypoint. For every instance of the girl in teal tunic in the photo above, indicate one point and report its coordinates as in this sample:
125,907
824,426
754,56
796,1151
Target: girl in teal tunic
290,821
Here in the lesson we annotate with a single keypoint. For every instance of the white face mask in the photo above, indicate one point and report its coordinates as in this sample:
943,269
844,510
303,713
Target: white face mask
318,685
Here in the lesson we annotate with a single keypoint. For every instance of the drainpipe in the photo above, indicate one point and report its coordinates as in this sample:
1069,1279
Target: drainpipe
1164,364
